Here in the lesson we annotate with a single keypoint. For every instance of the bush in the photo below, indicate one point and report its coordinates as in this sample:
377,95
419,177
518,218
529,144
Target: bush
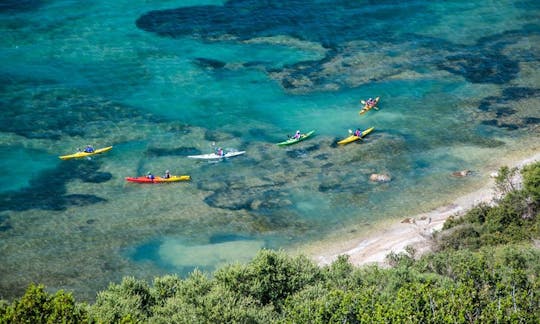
38,306
129,301
270,277
531,182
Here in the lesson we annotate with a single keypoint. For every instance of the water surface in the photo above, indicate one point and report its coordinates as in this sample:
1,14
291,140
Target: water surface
458,83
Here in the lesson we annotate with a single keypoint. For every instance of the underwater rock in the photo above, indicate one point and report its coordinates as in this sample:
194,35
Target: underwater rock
462,173
504,111
13,6
65,113
97,177
509,126
216,136
531,120
380,177
82,200
4,223
51,194
245,197
255,204
491,122
250,19
323,156
209,63
325,187
297,153
408,220
513,93
482,67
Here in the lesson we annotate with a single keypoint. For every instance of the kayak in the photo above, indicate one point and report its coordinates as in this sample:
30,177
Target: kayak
158,179
213,156
367,107
296,140
85,154
353,138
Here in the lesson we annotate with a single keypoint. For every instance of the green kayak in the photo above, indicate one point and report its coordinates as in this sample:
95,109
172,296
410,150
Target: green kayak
296,140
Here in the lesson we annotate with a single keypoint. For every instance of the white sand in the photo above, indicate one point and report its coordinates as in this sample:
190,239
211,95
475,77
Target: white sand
413,231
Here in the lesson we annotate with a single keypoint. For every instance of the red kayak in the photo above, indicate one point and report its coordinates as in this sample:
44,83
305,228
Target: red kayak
158,179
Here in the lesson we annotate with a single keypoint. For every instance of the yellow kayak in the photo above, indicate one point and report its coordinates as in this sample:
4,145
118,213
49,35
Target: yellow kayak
353,138
367,107
84,154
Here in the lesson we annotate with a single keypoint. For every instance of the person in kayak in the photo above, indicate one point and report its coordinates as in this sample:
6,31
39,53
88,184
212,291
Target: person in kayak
167,174
357,132
297,135
220,151
150,176
88,149
370,102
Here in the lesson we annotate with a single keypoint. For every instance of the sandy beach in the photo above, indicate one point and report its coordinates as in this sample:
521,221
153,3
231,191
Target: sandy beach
415,231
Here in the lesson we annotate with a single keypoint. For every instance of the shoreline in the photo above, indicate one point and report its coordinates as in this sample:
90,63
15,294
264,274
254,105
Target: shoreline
415,231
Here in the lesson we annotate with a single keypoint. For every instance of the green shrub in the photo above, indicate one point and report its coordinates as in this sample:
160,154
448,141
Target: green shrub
531,182
129,301
270,277
38,306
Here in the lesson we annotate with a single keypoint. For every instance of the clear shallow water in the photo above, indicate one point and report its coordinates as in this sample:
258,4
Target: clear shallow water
459,89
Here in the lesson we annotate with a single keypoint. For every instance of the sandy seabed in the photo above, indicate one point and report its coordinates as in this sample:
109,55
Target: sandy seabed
416,232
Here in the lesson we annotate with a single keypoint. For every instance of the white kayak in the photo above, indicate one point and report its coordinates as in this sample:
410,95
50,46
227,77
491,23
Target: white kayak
213,156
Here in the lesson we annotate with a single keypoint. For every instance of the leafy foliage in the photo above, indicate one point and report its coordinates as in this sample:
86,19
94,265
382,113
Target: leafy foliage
270,277
38,306
129,301
504,181
514,219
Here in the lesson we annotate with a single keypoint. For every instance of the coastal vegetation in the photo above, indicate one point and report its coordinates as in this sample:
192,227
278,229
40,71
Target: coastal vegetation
484,268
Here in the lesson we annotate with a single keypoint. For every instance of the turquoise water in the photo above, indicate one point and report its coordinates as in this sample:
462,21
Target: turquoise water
458,82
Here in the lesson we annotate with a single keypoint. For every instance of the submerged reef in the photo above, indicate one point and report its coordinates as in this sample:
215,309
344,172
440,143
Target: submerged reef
502,111
11,6
47,191
62,113
359,51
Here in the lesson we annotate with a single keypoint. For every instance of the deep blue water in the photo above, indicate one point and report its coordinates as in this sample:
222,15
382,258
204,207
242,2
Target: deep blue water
159,81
